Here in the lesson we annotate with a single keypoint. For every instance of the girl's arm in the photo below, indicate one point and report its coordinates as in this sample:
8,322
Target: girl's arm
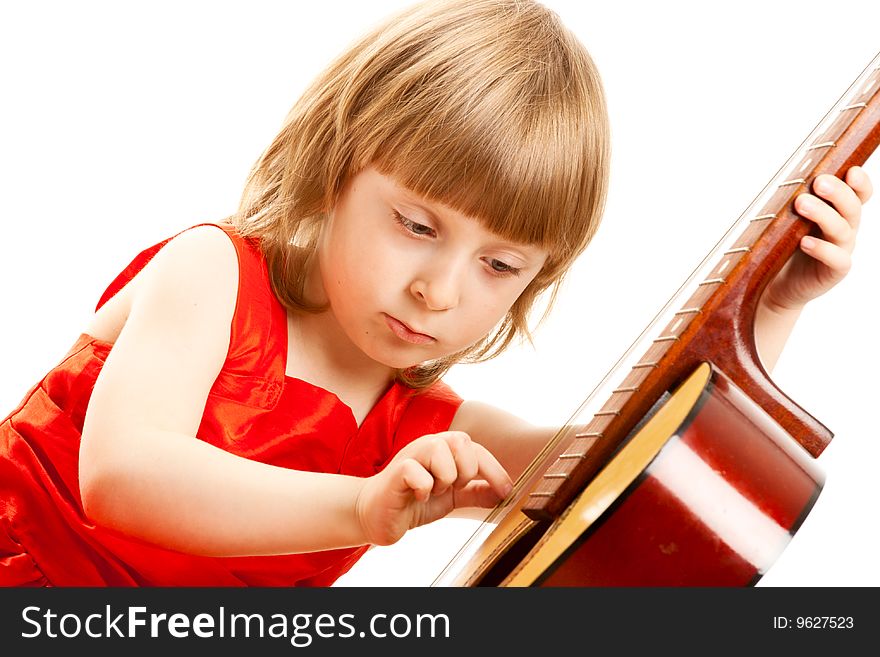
143,472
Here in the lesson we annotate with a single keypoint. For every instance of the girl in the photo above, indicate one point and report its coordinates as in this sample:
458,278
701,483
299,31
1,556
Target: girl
168,321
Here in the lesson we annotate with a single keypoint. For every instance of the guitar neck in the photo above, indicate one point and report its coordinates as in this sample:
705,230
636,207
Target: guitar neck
711,317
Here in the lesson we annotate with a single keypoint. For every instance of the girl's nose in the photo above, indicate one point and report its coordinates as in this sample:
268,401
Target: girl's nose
438,290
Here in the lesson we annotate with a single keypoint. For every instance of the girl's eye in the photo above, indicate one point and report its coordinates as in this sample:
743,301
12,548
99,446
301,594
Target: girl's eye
414,227
502,268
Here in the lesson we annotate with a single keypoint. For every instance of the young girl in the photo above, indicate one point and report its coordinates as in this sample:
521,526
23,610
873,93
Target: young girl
266,397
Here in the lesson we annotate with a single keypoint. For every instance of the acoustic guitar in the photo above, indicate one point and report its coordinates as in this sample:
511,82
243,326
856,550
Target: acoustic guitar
687,465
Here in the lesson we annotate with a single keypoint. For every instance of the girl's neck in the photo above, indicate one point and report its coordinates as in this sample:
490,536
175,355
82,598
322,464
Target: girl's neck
320,353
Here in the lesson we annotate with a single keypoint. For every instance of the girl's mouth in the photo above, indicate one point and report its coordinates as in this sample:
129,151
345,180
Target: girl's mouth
405,333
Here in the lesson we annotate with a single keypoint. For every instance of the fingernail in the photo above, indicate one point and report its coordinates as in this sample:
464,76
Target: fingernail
808,242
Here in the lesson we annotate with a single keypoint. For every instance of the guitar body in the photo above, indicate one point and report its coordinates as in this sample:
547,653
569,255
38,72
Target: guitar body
708,492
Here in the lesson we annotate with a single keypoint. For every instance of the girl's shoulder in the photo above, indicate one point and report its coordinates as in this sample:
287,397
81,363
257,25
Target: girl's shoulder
196,250
205,244
201,262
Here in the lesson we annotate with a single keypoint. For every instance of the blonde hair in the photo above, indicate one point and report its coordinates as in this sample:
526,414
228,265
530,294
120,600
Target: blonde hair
490,107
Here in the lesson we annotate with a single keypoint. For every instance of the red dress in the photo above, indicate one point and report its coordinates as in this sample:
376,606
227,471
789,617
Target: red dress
253,410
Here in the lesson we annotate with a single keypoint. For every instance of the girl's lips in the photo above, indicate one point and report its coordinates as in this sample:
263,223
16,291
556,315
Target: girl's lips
405,333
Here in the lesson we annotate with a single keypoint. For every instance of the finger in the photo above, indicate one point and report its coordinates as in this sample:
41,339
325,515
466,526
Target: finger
833,226
492,471
834,257
476,493
860,182
415,478
462,448
442,467
841,196
441,464
433,453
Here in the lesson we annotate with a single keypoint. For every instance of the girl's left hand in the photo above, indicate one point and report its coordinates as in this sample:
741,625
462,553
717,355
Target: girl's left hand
822,261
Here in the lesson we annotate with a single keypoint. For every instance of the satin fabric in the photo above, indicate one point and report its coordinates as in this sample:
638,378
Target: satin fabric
253,410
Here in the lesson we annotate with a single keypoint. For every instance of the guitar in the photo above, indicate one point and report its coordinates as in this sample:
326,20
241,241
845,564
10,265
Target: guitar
687,465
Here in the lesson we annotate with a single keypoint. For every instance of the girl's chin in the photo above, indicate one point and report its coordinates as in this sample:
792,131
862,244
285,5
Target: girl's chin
393,359
401,363
396,360
397,354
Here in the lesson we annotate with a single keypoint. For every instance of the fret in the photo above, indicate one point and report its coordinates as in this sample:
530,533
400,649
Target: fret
667,338
688,311
557,475
854,106
573,455
640,365
763,217
742,249
824,144
796,181
712,281
627,389
592,434
601,413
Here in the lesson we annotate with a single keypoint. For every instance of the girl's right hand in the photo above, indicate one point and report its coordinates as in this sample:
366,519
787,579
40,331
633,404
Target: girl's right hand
426,480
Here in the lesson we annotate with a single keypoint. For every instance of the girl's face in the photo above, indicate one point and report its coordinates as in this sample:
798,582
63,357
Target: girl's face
409,280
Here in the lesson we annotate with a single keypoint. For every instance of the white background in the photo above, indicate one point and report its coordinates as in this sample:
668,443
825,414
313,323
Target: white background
121,124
